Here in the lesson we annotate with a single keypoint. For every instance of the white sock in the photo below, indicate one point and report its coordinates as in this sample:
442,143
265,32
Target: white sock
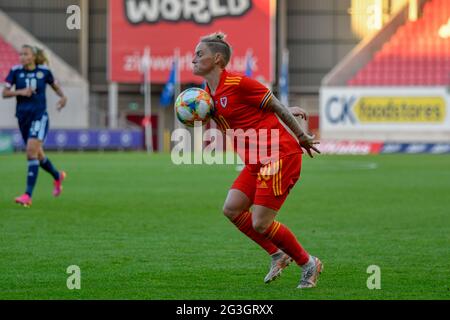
310,262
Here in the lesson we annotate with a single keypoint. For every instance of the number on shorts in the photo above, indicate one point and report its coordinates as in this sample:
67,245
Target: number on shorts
35,127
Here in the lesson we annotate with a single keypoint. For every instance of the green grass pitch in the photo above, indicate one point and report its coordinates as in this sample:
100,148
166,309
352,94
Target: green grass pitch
140,227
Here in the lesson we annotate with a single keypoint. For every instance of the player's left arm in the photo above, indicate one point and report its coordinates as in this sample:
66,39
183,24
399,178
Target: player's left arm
287,115
50,80
63,99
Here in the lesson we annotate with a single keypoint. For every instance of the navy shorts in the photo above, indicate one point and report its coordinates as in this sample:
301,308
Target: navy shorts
34,127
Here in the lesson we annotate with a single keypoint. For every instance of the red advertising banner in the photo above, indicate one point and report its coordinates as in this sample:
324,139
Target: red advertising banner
163,26
351,147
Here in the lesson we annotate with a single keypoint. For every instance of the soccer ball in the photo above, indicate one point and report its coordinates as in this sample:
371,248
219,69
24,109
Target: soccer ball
194,104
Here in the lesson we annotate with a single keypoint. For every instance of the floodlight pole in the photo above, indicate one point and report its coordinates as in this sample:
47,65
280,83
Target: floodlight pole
177,91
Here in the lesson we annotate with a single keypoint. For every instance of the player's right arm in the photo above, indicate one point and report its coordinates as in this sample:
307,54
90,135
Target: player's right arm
8,92
256,94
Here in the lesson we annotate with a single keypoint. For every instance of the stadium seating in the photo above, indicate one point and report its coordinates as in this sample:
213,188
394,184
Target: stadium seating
8,57
418,54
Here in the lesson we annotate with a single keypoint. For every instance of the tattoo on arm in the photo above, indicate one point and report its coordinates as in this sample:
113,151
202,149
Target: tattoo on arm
286,116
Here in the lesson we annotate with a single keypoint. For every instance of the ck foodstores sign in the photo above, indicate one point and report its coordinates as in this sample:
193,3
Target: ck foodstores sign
385,109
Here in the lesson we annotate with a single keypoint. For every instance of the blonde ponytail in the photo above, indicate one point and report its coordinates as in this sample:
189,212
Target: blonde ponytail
40,58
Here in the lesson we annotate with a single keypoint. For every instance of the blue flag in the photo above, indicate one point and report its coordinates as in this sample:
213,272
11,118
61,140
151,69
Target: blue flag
284,79
248,65
167,95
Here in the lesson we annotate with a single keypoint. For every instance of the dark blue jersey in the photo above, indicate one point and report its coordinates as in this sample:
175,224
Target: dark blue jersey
37,79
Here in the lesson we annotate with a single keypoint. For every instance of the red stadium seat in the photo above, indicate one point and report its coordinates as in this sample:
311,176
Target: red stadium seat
415,54
8,58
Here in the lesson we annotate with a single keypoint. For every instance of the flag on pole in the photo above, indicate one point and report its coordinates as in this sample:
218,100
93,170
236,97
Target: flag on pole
248,64
145,67
284,79
168,93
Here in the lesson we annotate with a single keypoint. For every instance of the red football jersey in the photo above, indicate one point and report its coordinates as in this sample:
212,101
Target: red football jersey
241,103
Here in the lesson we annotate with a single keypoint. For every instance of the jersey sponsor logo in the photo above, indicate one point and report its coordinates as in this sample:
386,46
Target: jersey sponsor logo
224,102
199,11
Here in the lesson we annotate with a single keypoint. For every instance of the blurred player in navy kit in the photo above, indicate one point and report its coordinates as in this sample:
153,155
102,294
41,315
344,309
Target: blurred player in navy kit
29,80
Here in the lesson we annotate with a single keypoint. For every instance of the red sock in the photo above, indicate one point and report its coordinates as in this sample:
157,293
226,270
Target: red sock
244,223
283,238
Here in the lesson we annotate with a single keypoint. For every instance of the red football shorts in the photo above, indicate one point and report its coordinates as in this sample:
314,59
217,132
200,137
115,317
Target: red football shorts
271,185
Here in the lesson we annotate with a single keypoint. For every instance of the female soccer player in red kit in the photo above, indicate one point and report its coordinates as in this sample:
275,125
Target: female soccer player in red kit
245,104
